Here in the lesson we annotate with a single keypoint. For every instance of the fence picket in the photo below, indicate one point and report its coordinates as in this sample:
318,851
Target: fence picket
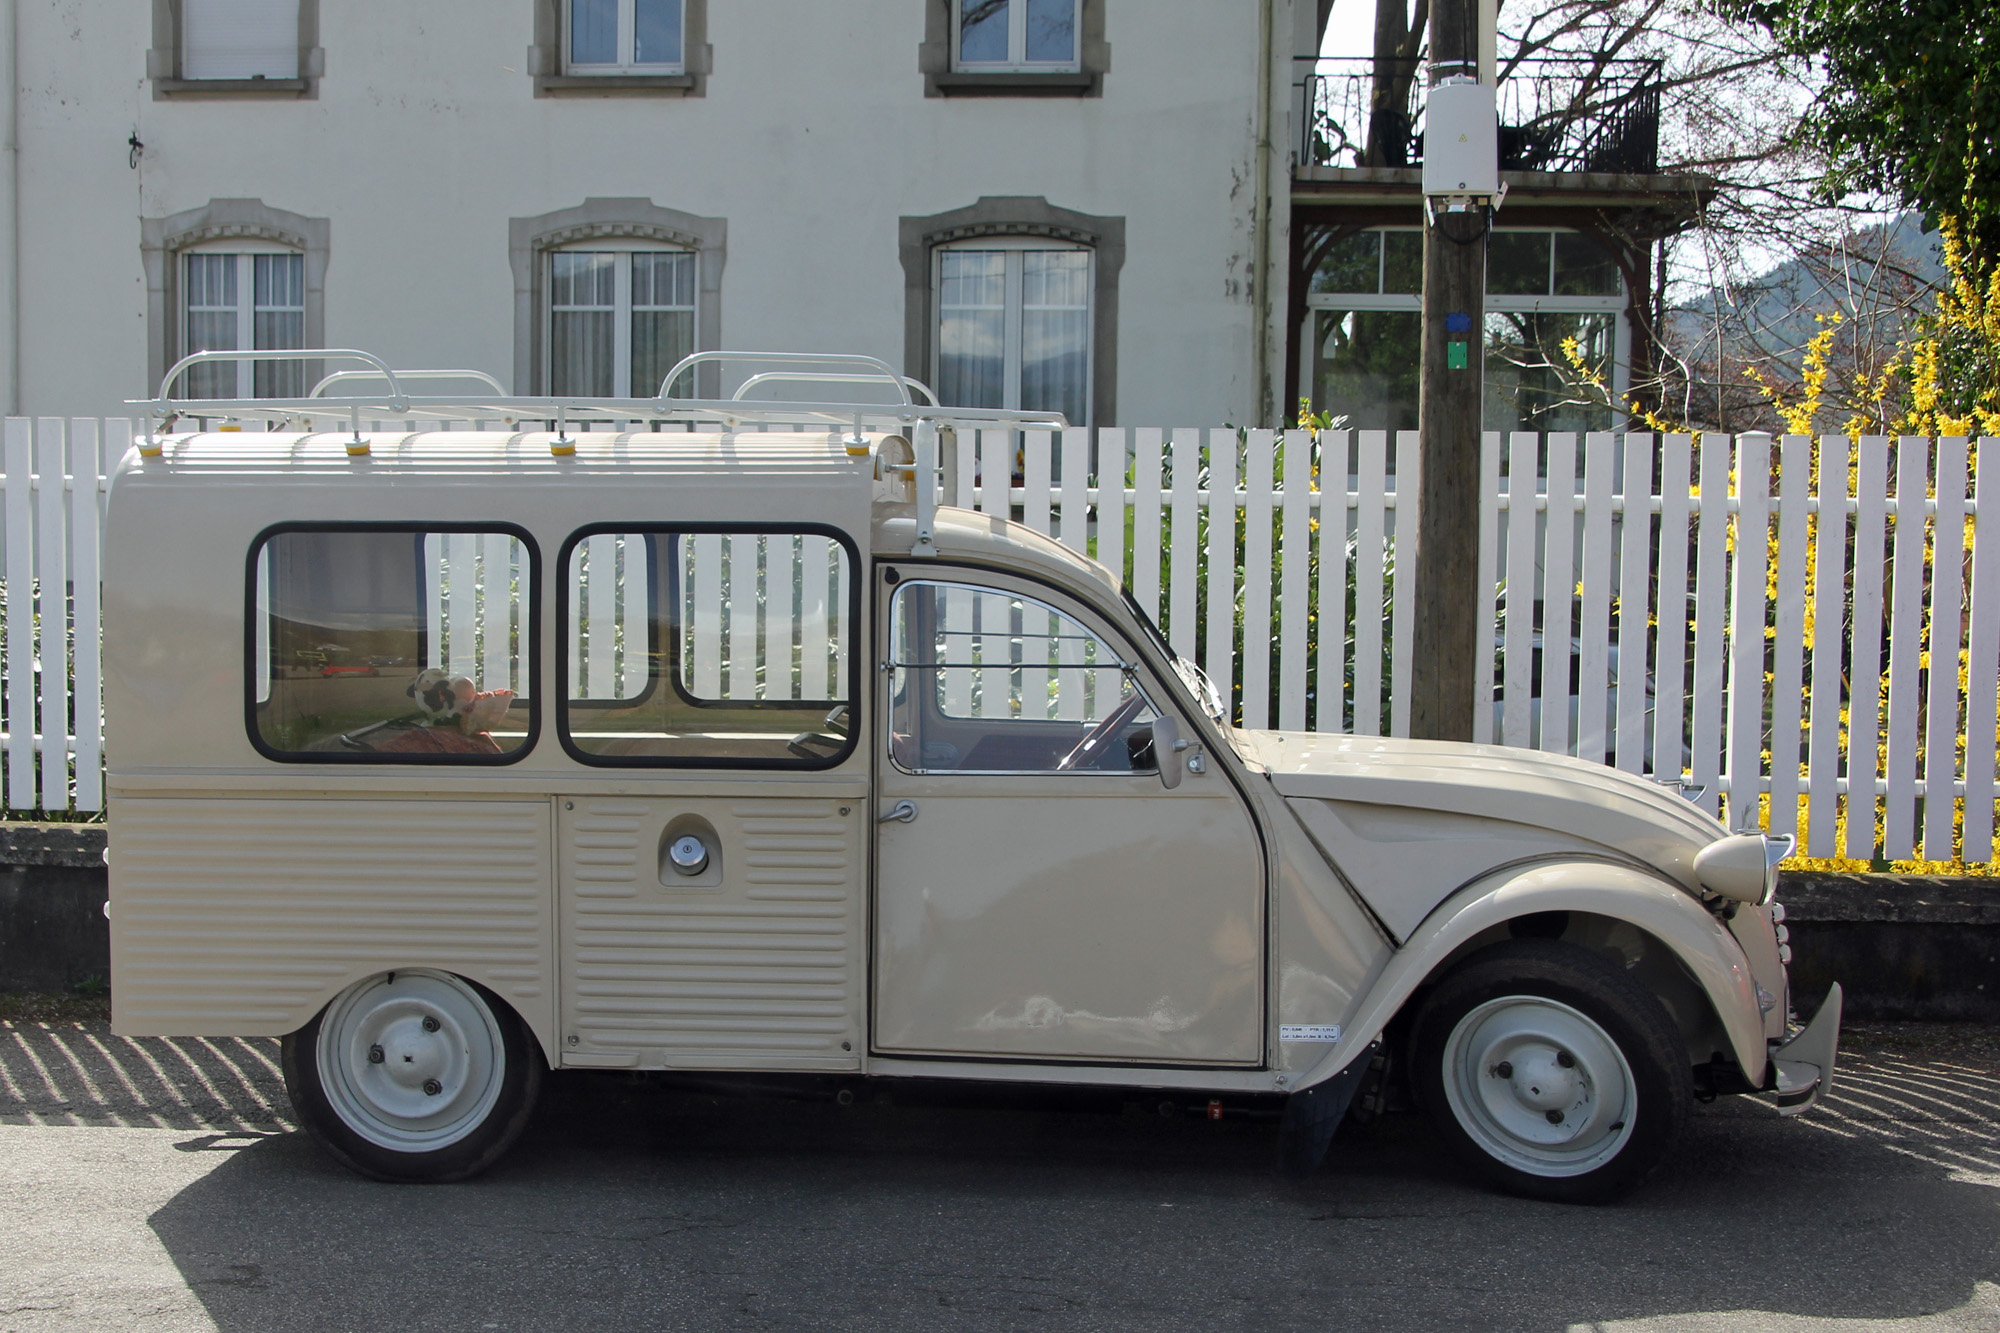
1945,568
1258,494
1371,484
1295,576
52,602
1594,610
19,447
1982,667
1182,632
1485,628
1864,705
1671,609
1789,621
1711,571
1518,626
1220,660
1409,473
1906,609
1331,676
1148,491
86,448
1558,592
1747,604
1074,526
1036,456
1829,610
1628,734
1111,500
965,469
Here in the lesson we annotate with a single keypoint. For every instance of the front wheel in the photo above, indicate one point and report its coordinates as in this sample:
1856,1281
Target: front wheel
414,1075
1552,1071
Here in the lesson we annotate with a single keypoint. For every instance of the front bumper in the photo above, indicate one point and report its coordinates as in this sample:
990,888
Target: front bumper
1802,1066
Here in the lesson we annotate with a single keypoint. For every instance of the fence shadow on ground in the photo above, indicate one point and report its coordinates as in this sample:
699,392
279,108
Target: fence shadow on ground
77,1073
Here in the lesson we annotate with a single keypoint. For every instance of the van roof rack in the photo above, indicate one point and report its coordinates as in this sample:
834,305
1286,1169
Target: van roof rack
320,409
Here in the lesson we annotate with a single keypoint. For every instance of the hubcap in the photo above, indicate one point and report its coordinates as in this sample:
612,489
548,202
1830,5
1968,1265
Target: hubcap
411,1061
1539,1086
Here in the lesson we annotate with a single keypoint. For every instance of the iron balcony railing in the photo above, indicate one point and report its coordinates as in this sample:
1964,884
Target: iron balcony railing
1556,114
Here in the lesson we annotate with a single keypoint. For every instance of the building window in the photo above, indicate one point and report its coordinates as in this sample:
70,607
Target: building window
226,47
1013,48
711,649
611,48
233,300
610,294
1017,34
1014,326
234,274
1361,345
392,644
618,320
624,37
1013,303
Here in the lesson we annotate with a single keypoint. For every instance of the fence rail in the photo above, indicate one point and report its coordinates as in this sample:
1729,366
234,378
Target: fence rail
1757,618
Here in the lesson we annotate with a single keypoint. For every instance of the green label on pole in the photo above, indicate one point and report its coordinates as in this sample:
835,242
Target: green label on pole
1455,355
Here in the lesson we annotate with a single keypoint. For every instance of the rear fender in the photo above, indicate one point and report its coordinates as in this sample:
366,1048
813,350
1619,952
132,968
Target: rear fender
1702,943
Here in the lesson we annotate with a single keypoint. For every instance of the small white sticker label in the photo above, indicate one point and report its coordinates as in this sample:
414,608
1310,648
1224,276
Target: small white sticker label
1308,1032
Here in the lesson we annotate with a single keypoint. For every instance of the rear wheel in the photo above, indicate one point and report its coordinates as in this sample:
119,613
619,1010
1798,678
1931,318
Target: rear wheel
414,1075
1551,1071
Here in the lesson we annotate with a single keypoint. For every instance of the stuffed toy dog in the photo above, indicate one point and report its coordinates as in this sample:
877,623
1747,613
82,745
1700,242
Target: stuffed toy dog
444,699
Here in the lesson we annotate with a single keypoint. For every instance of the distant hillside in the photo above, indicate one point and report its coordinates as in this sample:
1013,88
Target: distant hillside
1877,277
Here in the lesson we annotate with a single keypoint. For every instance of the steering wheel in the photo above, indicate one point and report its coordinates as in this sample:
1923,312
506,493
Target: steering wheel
1102,732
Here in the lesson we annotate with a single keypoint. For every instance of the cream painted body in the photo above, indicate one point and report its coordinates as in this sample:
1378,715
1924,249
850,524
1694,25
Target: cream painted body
1073,927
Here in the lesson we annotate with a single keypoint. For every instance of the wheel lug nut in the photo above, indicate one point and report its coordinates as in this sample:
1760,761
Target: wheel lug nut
374,1055
432,1088
431,1025
1555,1117
1503,1070
1565,1059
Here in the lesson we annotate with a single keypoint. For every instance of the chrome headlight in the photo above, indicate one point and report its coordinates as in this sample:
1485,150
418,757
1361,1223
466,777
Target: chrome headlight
1744,866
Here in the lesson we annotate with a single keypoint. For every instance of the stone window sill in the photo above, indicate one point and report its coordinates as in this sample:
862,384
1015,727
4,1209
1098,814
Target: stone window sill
230,87
973,83
600,85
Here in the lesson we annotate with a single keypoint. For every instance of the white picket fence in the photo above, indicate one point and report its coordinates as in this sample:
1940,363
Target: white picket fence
1663,545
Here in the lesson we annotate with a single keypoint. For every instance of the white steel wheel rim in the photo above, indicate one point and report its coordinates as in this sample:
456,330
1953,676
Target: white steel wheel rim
1539,1086
411,1061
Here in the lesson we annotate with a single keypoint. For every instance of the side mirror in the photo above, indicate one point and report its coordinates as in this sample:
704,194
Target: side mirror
1167,744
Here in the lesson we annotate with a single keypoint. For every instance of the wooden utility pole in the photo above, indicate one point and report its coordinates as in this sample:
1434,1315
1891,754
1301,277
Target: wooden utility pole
1446,652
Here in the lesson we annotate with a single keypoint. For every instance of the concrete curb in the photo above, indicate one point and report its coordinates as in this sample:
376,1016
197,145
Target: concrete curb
1902,946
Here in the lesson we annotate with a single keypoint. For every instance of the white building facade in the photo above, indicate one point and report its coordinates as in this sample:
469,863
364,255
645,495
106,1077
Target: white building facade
1076,205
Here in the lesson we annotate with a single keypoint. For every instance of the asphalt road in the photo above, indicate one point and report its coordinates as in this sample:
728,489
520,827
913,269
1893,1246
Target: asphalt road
159,1185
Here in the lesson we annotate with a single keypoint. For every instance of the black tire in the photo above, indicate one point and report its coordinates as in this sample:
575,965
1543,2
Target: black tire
1531,1001
352,1112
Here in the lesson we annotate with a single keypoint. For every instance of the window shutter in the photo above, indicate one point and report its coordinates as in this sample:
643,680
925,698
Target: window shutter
240,39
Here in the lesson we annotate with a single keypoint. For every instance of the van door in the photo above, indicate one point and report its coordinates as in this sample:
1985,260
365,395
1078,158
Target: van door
1040,894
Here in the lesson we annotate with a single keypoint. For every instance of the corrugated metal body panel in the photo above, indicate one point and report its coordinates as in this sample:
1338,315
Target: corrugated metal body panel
244,916
754,963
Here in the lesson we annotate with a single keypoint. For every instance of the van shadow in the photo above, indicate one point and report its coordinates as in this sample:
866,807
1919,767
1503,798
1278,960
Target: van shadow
629,1206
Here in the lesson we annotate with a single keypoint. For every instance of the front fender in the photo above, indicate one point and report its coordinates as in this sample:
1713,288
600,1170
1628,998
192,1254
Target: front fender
1702,943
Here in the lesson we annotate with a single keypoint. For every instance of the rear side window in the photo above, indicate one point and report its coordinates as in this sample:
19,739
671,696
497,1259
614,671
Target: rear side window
378,644
709,649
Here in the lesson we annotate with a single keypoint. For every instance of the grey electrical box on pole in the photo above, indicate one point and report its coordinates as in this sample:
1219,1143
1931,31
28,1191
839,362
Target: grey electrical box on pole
1462,187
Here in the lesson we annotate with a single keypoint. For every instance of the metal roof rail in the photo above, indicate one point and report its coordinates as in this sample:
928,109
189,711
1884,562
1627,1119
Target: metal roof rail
336,399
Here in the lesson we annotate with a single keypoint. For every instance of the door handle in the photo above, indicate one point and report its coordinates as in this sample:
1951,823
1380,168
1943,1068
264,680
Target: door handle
903,812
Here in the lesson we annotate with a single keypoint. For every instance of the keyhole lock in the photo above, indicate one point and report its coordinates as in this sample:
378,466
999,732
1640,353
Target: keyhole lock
688,854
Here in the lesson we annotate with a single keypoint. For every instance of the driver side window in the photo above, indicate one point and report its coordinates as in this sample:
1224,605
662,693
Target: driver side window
989,681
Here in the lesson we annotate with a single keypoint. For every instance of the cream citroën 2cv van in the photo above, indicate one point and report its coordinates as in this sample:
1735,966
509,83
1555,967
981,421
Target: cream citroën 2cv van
451,757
